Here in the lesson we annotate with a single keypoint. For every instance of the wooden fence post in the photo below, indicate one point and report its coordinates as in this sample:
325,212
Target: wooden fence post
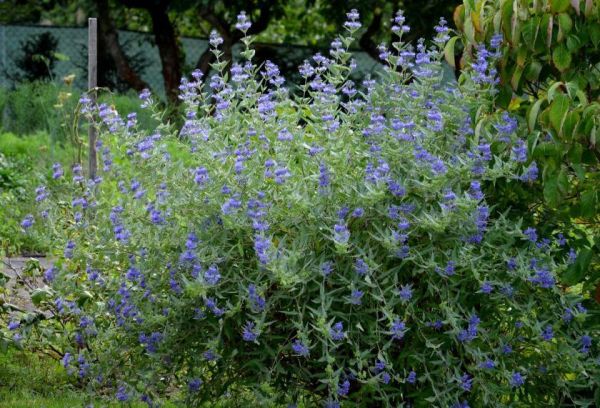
92,84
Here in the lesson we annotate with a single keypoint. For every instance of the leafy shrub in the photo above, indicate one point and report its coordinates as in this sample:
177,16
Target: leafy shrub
49,107
37,58
332,248
38,106
549,72
24,163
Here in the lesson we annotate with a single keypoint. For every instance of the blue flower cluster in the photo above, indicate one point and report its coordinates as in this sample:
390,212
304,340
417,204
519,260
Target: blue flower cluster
334,242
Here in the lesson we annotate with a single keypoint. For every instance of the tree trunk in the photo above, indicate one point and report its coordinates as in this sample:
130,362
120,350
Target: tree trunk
110,39
164,35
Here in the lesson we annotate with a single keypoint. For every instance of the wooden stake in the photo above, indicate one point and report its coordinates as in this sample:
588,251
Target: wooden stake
92,84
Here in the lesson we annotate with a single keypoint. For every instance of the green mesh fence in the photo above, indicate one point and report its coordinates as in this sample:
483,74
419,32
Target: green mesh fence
72,54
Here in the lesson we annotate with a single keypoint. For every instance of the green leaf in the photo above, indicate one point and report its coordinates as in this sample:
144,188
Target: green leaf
40,294
574,43
561,57
515,81
562,180
530,32
577,271
3,279
558,6
569,125
594,32
551,194
533,113
504,97
565,23
449,51
532,72
469,30
554,90
558,111
589,200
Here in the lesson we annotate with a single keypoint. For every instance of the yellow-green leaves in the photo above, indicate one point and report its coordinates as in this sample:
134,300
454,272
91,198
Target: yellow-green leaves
559,6
561,57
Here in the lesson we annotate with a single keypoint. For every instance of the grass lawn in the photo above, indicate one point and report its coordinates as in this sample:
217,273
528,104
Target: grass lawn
30,380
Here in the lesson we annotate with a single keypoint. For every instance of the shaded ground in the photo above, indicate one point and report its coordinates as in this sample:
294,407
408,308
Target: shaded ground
23,275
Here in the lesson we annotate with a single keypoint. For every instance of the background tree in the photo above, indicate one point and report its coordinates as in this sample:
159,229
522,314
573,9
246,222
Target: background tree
550,75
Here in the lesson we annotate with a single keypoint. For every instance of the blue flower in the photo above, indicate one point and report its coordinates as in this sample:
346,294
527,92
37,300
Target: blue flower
466,382
486,288
243,23
262,246
543,278
326,268
358,212
212,275
257,302
300,348
488,364
323,178
201,176
361,267
475,191
336,332
281,175
586,343
50,273
343,388
231,206
194,384
250,332
531,234
66,360
210,355
356,296
470,333
211,304
342,212
530,174
57,171
405,292
398,329
122,394
519,151
27,221
547,333
341,233
403,224
68,253
412,377
517,379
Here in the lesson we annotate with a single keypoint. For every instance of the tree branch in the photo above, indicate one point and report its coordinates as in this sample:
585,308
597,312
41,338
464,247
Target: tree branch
110,36
164,36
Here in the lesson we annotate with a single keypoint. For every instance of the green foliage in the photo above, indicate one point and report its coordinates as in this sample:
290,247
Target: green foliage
24,164
51,108
550,75
39,106
320,248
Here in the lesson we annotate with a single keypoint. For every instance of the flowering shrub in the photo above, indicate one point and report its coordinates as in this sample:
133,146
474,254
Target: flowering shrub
332,247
